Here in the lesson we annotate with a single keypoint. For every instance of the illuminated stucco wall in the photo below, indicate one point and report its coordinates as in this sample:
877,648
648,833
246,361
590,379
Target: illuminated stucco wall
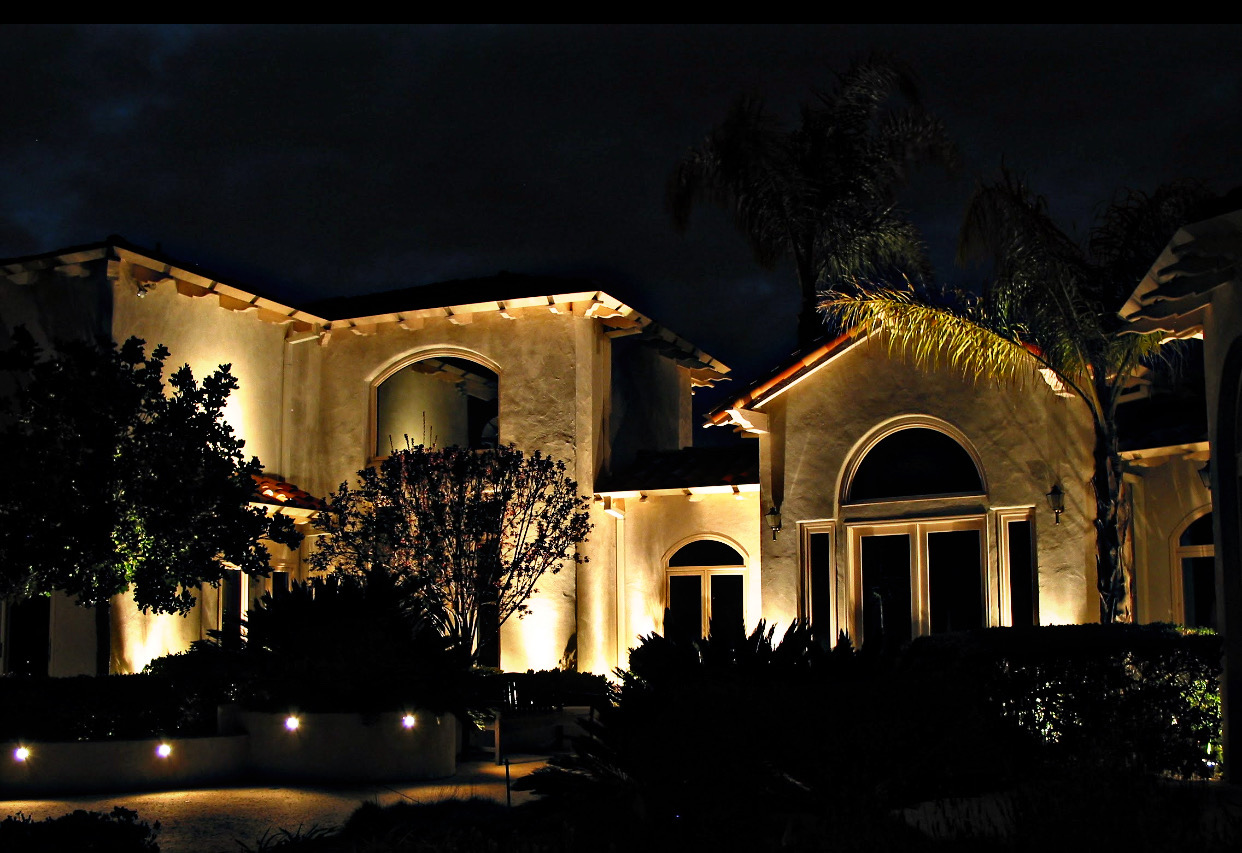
1027,439
198,332
553,392
657,526
73,627
1163,498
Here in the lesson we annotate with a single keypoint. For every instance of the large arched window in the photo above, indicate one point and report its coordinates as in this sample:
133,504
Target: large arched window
1194,559
705,590
441,401
913,571
913,462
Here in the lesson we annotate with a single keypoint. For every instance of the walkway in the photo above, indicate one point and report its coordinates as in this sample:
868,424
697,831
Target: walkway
214,820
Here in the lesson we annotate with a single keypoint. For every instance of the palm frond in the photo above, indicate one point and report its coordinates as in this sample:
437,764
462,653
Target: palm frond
933,336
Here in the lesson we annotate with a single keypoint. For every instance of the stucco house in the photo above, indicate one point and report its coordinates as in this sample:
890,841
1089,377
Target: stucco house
874,499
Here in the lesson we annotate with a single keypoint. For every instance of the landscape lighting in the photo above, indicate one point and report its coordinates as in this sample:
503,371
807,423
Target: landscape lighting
21,753
163,750
408,721
292,723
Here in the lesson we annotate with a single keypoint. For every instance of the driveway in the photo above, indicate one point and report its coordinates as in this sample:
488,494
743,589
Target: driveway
214,820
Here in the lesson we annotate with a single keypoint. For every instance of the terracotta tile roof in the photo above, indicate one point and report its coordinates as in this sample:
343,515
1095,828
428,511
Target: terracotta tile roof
785,375
687,468
270,490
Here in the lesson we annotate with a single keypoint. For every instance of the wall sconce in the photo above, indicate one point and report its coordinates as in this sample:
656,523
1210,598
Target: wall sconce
1205,475
773,518
1056,501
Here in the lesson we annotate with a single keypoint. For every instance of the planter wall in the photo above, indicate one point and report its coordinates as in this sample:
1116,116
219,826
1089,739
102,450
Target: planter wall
324,748
120,765
351,747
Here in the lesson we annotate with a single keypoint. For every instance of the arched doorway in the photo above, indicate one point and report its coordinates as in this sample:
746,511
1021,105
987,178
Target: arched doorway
705,589
912,499
436,399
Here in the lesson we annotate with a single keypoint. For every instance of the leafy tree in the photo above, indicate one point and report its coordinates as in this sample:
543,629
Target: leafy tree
466,534
823,193
117,483
1051,306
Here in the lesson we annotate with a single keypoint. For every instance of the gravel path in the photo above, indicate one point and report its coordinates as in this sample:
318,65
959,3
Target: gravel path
214,820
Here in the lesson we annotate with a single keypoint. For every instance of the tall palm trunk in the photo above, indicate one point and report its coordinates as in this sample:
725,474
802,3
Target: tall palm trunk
1112,579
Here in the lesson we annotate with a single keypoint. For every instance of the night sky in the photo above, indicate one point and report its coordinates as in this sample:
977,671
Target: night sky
314,162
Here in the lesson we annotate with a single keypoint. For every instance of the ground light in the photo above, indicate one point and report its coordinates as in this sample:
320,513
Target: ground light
163,750
408,721
21,753
292,723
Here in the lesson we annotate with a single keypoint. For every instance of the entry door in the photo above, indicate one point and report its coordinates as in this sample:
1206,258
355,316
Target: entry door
911,578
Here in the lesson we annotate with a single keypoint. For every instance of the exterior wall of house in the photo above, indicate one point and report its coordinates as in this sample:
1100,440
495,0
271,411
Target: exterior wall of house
59,306
653,529
1026,439
650,403
1164,499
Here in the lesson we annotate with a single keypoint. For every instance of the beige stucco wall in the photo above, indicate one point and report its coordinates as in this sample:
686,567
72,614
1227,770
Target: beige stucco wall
1026,440
656,527
198,332
553,393
1164,499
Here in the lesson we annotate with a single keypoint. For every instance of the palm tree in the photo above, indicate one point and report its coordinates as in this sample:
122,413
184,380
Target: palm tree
822,194
1051,306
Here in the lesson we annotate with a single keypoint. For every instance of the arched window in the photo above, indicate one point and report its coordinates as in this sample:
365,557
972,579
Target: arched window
1194,555
913,462
438,401
705,590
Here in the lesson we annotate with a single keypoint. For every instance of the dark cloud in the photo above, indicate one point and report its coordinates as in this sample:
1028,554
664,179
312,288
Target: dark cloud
327,160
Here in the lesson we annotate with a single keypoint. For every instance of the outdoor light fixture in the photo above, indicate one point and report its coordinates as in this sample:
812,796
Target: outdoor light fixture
408,721
1205,474
21,753
292,723
773,518
1056,501
163,750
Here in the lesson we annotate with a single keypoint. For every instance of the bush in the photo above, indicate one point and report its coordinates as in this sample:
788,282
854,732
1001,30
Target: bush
89,832
114,707
1143,697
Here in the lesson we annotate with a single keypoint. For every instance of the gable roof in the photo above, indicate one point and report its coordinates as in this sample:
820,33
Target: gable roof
789,373
410,308
1199,258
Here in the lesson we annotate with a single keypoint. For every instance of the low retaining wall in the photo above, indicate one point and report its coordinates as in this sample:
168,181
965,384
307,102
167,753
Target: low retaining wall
351,747
120,765
323,748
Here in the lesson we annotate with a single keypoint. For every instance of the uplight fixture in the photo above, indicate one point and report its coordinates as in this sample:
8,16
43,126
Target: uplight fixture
163,750
407,721
292,723
21,753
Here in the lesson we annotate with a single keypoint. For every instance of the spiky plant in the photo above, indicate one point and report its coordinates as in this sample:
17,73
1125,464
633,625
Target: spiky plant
823,193
1051,306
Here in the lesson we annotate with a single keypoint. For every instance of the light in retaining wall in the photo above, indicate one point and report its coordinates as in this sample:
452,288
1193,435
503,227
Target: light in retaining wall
292,723
408,721
21,753
163,750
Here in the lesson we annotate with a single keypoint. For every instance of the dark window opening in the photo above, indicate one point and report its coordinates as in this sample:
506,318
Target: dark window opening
955,585
886,592
822,583
706,552
1021,574
912,463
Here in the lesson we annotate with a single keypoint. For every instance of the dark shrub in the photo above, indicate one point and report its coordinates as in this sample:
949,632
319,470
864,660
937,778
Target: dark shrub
88,832
1143,697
